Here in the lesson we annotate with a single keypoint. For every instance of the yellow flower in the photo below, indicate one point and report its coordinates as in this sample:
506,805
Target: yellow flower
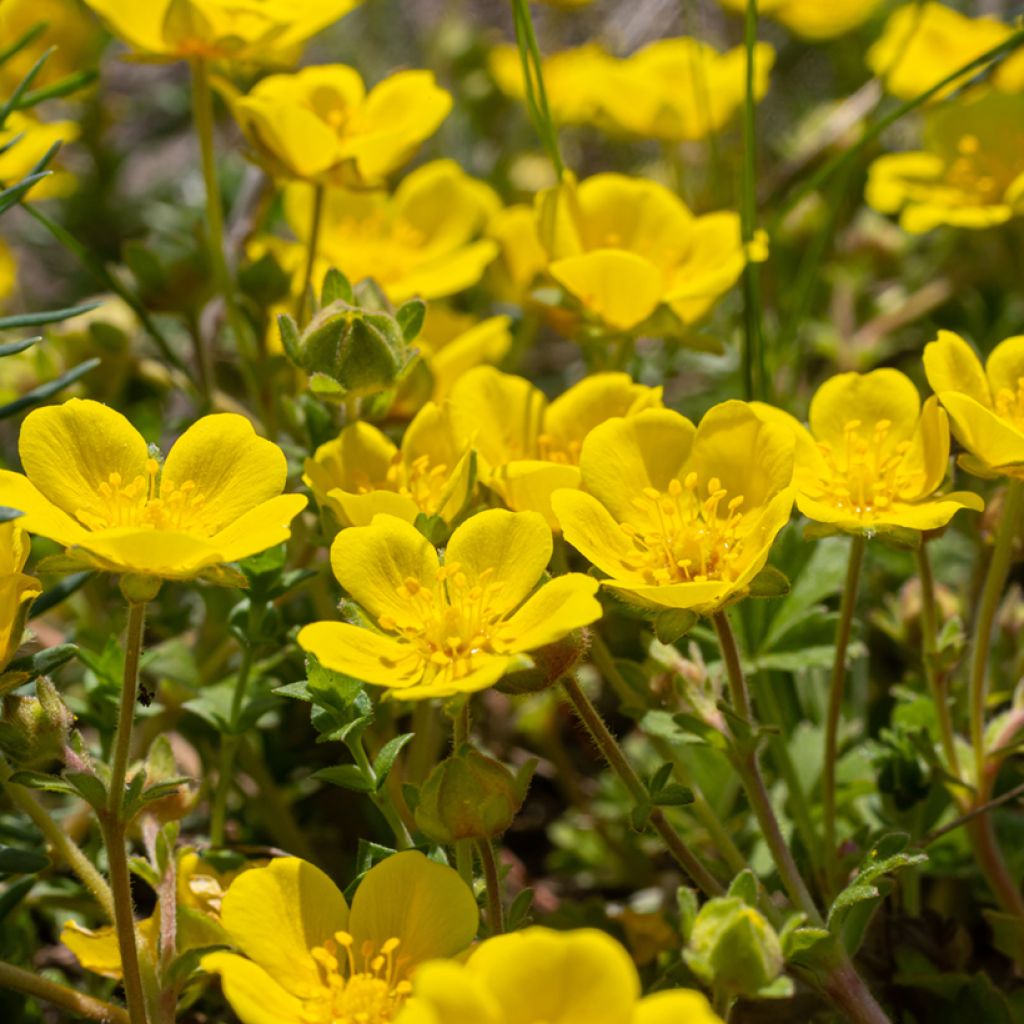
683,89
923,43
680,516
362,473
36,139
264,31
17,590
969,175
69,28
873,457
92,485
309,959
451,628
624,246
8,271
521,259
573,977
320,125
986,404
423,240
813,19
526,448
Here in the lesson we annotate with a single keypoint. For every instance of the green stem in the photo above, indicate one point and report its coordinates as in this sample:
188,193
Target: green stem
229,751
533,81
316,220
495,910
63,845
19,980
460,736
380,798
835,707
115,825
609,747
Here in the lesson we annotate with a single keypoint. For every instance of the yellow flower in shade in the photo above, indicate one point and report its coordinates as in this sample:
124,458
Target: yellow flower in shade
985,404
683,89
91,484
423,240
69,28
30,140
624,246
362,473
679,516
923,43
259,31
813,19
521,258
572,977
307,958
969,175
528,449
17,590
320,124
873,457
451,628
8,271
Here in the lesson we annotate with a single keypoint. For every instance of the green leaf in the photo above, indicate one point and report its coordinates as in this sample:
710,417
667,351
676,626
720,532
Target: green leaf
20,320
688,903
672,625
744,885
348,776
15,861
387,755
410,318
337,288
45,391
43,782
672,795
518,913
14,894
769,582
639,815
89,787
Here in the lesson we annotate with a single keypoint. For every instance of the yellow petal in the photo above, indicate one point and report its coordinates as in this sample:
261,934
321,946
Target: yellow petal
527,485
484,670
951,365
357,459
927,460
260,528
252,993
360,509
171,555
868,398
560,606
429,435
363,654
41,516
1005,366
277,914
140,25
98,950
596,398
675,1006
446,274
623,289
993,440
17,592
423,904
373,562
230,467
445,992
69,452
589,528
487,342
702,598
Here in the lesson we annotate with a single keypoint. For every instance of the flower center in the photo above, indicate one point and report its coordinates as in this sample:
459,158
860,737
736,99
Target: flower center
684,537
865,474
553,449
352,992
419,480
978,172
1010,404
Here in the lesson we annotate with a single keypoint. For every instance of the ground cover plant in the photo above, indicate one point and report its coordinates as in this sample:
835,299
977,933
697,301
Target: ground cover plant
511,513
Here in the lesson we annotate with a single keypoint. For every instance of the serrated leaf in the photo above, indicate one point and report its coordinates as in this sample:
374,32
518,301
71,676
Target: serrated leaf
89,787
43,782
348,776
387,755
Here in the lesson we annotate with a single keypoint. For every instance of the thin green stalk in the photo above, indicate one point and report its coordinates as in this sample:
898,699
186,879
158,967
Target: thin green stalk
533,80
115,826
313,244
403,841
835,707
592,721
463,847
63,845
495,910
17,979
229,751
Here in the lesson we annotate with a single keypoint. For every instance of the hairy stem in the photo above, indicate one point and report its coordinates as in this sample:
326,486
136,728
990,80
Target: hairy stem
229,751
313,244
19,980
495,910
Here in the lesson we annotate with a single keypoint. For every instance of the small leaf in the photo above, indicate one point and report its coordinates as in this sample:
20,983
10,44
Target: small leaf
337,288
672,625
672,795
769,582
519,912
410,318
90,788
387,755
348,776
744,885
14,861
639,816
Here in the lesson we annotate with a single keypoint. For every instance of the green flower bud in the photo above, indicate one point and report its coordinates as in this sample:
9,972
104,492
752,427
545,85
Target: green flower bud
547,665
470,796
35,730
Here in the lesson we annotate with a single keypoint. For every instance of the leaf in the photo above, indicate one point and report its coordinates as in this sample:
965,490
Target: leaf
410,318
348,776
90,788
670,626
53,316
744,885
639,815
769,582
14,894
15,861
387,755
672,795
43,782
40,394
337,288
518,913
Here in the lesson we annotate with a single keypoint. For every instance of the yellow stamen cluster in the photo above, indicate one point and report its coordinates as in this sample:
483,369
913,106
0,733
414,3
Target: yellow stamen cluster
419,480
681,536
978,172
1010,404
551,449
350,992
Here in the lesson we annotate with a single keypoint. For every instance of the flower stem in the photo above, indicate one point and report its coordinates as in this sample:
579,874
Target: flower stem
19,980
463,847
115,824
229,751
495,911
835,707
316,219
380,798
592,721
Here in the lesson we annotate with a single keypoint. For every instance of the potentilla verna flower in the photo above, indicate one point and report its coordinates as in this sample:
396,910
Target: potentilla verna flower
92,484
448,627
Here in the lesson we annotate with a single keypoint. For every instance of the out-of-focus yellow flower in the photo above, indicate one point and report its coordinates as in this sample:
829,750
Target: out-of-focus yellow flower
923,43
69,28
624,246
985,404
97,950
538,974
451,628
259,31
36,139
362,473
320,125
682,89
680,516
813,19
528,449
17,590
424,240
969,175
873,457
521,259
8,271
309,959
92,485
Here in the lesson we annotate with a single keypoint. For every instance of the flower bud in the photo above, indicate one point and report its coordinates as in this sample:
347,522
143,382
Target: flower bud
548,664
470,796
35,730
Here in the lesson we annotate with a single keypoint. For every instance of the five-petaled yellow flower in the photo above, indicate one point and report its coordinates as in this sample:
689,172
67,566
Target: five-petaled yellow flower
92,485
527,449
572,977
986,404
258,31
873,457
362,473
310,959
679,516
17,589
448,628
813,19
320,125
